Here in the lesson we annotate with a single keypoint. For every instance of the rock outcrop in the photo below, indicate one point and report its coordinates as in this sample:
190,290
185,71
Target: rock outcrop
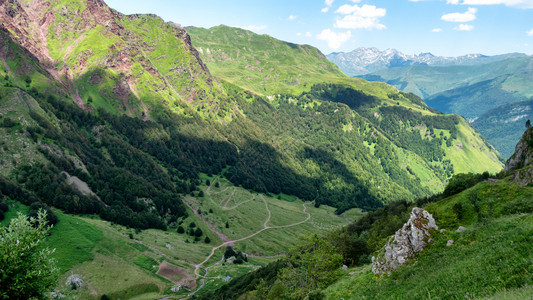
74,281
520,165
411,238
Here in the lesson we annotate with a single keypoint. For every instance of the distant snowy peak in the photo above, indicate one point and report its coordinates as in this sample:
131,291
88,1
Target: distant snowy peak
367,60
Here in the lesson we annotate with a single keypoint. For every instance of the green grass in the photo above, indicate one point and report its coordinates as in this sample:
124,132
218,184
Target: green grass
73,239
136,290
513,294
483,260
353,214
259,62
471,153
247,213
15,207
147,263
492,258
139,247
219,272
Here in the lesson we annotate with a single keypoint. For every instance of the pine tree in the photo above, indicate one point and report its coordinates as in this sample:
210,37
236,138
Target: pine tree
198,232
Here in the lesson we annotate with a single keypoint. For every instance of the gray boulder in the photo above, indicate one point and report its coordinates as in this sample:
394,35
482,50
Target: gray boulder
74,281
461,229
411,238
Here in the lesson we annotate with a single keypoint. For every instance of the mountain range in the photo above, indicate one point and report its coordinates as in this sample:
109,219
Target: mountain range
469,91
363,61
130,128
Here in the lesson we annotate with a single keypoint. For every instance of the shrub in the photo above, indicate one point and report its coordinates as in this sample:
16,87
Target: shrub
51,218
198,232
181,229
27,269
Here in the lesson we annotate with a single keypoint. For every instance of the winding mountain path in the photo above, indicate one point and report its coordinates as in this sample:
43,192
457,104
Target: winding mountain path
232,242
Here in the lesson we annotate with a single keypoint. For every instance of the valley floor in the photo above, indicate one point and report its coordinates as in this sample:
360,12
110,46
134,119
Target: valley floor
121,263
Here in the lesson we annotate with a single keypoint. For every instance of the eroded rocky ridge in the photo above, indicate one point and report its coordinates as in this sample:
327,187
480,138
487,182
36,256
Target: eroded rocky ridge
84,45
411,238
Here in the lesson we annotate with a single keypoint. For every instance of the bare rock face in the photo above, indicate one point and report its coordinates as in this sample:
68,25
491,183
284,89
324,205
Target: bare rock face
411,238
521,163
523,153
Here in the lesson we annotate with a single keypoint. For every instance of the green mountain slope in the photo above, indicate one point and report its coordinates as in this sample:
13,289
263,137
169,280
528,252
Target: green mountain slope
471,91
104,60
261,63
118,117
489,259
385,99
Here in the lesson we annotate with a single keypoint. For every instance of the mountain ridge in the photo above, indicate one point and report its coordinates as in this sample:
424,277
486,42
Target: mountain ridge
362,61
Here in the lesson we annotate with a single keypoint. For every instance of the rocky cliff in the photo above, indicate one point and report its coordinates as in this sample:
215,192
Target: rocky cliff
521,162
101,58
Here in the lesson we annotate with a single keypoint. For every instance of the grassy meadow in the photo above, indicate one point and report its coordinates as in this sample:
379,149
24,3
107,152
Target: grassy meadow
122,263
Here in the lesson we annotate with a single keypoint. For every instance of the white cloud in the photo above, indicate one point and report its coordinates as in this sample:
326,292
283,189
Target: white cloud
469,15
464,27
510,3
328,5
292,17
335,39
530,32
307,34
364,17
436,30
254,27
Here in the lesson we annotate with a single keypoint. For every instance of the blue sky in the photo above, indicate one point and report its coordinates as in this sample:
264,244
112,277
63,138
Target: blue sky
442,27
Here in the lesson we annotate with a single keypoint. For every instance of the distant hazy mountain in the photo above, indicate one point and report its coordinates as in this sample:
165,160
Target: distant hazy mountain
470,91
505,124
367,60
471,101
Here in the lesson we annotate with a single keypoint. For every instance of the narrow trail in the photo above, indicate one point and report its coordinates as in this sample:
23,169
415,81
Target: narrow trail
224,202
211,226
232,242
269,212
